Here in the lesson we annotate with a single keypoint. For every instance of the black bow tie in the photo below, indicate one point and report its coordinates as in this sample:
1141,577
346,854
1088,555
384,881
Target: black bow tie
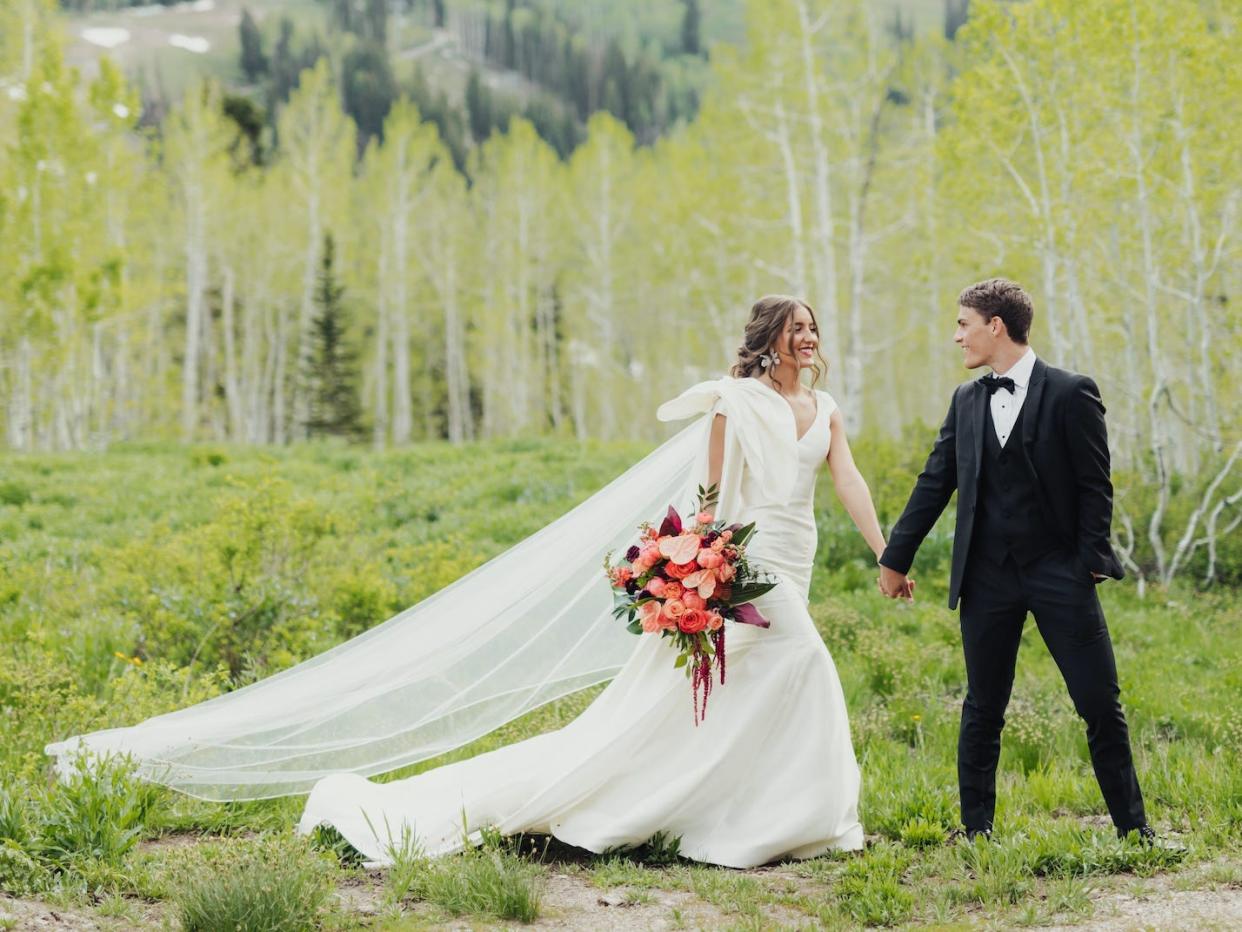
992,383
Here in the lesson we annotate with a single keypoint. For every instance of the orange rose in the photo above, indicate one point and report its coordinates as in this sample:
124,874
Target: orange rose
674,609
694,601
681,570
673,590
650,611
714,621
725,572
692,622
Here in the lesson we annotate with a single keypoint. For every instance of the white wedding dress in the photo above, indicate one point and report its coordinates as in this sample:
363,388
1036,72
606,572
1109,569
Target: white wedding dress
770,773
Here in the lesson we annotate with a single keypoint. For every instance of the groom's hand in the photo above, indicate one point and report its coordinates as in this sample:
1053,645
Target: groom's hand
896,585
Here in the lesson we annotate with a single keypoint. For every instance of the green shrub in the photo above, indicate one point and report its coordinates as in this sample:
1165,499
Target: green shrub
328,838
870,888
923,833
98,814
660,850
1070,851
14,816
13,493
274,883
483,881
21,874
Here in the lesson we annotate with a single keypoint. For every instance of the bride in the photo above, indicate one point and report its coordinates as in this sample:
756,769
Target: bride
770,773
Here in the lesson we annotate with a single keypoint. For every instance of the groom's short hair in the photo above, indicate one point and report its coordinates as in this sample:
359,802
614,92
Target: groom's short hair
999,297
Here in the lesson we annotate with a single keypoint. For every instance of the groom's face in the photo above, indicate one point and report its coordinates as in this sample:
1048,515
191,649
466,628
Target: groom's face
975,336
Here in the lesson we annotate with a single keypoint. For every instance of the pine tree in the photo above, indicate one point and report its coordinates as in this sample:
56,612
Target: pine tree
253,59
375,21
479,107
335,408
691,42
956,12
368,88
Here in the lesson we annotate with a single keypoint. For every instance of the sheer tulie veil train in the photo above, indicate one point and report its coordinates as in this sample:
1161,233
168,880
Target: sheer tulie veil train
770,773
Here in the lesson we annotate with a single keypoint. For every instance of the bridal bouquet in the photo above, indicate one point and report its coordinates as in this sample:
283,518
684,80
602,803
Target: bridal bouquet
685,582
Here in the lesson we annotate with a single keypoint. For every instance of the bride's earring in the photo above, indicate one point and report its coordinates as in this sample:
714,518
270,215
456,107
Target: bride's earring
774,360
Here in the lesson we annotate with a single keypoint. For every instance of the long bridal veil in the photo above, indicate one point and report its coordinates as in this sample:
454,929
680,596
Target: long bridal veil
529,626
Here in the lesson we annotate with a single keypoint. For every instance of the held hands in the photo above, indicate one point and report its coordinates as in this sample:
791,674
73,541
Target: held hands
895,585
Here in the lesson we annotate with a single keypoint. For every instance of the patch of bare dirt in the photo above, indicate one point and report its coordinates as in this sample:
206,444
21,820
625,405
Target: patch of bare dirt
1157,904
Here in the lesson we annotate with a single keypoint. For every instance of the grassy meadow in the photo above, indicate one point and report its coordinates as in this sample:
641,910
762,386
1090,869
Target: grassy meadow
139,580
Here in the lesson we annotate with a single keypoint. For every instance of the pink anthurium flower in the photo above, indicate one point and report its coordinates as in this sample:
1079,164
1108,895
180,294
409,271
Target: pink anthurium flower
680,549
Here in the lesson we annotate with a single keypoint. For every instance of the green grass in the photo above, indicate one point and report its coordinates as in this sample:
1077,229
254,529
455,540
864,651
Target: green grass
490,880
110,565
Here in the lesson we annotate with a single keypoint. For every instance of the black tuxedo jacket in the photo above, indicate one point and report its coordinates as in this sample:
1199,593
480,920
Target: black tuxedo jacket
1066,442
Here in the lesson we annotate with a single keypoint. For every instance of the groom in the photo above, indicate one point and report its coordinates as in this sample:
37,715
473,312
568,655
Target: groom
1026,450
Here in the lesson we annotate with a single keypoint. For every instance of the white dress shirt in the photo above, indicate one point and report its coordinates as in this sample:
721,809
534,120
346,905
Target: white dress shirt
1005,407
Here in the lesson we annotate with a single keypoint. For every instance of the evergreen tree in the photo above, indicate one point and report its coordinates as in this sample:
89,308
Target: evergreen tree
335,408
253,59
956,12
508,48
375,21
368,88
691,41
288,63
479,107
247,148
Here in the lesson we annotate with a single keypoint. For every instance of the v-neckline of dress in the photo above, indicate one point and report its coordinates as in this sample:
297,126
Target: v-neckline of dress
814,419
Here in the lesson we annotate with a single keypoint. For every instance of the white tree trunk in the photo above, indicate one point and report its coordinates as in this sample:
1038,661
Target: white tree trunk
232,382
402,388
195,287
823,237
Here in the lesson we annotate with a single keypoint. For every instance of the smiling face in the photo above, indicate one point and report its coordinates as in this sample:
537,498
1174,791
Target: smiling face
800,338
977,337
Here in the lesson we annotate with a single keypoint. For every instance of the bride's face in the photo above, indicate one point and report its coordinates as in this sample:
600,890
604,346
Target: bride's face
801,337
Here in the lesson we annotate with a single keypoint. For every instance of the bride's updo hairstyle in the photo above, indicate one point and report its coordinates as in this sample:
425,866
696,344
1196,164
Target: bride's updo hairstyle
768,317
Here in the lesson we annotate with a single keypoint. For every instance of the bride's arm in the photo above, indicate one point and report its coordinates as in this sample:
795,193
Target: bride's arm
851,487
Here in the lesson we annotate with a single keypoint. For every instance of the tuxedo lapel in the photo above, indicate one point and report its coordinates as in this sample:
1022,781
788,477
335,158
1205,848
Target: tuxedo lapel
1030,407
979,423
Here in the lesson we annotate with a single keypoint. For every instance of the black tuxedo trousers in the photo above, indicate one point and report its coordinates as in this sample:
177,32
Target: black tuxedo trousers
995,600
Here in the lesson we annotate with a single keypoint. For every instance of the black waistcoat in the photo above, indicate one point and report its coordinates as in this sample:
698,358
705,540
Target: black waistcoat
1009,519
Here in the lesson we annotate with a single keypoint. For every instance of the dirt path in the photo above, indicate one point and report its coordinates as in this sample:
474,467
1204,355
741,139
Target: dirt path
572,902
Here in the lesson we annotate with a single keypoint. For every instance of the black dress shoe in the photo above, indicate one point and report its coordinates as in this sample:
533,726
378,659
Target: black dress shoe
1147,836
968,834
